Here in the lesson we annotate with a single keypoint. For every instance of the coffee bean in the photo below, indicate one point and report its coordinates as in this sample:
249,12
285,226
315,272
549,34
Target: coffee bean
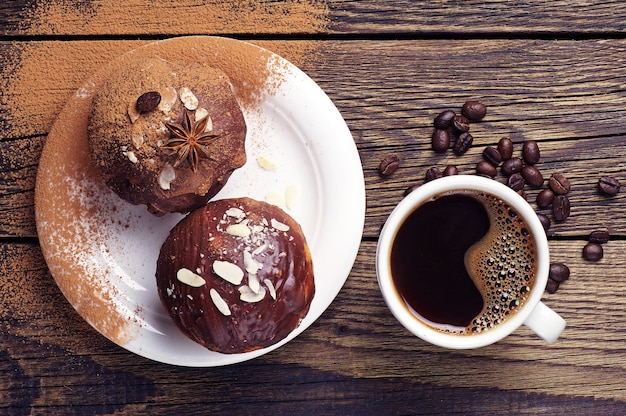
599,236
389,165
545,198
410,189
559,183
593,252
545,221
608,185
440,140
487,169
474,110
516,182
433,173
559,272
532,175
463,143
491,155
148,101
523,194
505,147
512,165
552,286
560,208
530,152
444,119
450,170
460,123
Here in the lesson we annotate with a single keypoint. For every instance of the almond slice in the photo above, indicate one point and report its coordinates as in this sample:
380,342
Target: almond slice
238,230
277,225
219,302
251,265
247,295
253,283
189,278
270,287
228,271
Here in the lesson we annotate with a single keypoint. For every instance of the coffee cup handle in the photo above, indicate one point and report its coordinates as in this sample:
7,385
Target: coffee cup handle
545,322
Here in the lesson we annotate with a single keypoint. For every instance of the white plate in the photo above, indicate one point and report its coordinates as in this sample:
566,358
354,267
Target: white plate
102,251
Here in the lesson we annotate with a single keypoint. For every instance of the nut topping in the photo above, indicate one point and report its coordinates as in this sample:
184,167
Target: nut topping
219,302
189,100
270,287
166,177
277,225
247,295
228,271
238,230
189,278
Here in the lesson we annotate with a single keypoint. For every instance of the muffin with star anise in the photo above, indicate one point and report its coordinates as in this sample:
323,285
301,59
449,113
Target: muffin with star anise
166,134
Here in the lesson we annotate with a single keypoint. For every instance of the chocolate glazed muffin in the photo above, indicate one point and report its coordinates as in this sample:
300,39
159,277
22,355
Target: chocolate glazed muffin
166,134
236,275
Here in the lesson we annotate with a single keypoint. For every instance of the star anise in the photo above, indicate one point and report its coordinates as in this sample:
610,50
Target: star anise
189,139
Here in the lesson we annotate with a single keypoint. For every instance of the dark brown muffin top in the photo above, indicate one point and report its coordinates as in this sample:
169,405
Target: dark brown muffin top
166,134
236,275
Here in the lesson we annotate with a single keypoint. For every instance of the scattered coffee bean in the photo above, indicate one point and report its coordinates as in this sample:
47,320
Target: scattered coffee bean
552,286
491,155
460,123
474,110
148,101
444,119
411,189
516,182
545,198
505,148
560,207
450,170
545,221
608,185
593,252
559,183
532,175
530,152
559,272
433,173
599,236
389,165
487,169
440,140
511,166
463,143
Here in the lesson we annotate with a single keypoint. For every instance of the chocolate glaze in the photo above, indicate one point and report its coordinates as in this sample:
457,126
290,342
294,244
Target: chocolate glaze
113,134
200,239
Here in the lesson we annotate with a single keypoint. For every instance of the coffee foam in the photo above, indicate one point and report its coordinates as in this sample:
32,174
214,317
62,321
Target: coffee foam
502,265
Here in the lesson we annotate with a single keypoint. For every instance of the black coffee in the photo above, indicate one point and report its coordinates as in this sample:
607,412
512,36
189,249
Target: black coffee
463,262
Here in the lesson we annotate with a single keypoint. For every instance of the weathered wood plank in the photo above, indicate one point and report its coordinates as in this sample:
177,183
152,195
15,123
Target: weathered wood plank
355,357
567,95
439,18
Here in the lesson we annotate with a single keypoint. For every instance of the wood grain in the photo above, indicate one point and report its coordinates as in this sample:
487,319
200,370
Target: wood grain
548,71
355,358
424,18
567,95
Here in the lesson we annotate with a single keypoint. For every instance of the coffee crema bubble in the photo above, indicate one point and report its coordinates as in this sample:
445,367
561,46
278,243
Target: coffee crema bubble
464,262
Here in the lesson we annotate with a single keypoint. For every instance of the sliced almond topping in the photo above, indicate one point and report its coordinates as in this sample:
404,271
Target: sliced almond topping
266,163
247,295
168,99
253,283
235,212
201,113
259,249
270,287
219,302
133,114
239,230
188,277
189,100
166,177
275,198
277,225
228,271
291,196
251,265
131,156
137,141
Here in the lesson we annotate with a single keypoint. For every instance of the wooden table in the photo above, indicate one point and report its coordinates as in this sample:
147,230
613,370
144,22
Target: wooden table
549,71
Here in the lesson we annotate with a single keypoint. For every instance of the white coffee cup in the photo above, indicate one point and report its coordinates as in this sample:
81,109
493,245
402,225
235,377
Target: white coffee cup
533,313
